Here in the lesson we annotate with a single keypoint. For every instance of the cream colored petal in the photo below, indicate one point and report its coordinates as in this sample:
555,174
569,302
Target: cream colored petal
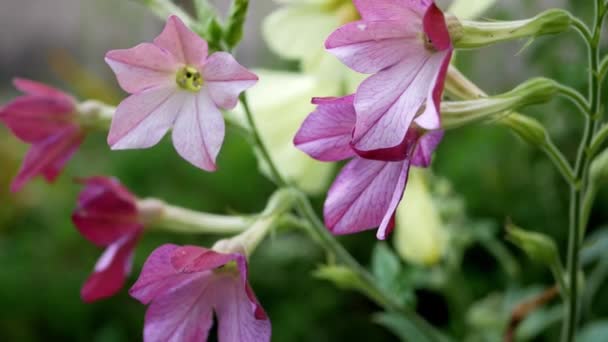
467,9
280,102
420,237
298,32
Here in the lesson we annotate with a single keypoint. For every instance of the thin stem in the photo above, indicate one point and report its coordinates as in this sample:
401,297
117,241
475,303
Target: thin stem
603,68
560,161
575,97
598,140
581,28
276,175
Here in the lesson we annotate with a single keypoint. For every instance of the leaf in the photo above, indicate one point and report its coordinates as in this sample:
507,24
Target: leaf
594,332
401,327
385,265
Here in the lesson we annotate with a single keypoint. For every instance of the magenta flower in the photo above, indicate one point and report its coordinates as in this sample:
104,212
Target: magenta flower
107,216
45,118
185,286
366,193
407,46
175,84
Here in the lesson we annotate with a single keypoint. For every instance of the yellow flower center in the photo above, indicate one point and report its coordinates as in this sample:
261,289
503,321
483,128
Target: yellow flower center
189,78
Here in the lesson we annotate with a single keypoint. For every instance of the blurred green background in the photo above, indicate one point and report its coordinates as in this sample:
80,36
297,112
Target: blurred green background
44,261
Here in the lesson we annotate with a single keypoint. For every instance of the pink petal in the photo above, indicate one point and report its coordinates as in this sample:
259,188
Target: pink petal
191,259
34,118
184,314
427,144
236,317
403,10
436,29
370,46
141,120
186,46
364,196
158,275
226,79
199,130
111,270
430,118
106,211
42,90
326,133
141,67
48,157
386,104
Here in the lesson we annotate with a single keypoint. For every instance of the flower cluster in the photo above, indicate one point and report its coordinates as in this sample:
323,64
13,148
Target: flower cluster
392,122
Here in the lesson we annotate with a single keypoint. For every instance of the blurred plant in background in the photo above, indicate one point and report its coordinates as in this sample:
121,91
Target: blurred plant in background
449,262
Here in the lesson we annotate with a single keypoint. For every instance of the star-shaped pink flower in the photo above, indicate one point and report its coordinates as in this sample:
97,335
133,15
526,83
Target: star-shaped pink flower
175,84
366,193
185,286
45,118
407,46
107,215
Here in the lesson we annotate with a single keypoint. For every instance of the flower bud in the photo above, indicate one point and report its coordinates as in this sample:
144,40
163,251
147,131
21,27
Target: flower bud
529,129
480,34
534,91
538,247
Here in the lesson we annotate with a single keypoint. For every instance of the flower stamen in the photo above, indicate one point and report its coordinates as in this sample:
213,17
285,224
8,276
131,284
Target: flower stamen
189,78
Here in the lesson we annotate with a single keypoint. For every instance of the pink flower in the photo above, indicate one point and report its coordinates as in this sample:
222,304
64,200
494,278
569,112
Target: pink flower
366,193
407,46
185,286
107,216
45,118
175,84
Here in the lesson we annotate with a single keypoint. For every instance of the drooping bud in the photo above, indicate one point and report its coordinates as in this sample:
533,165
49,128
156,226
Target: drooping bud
539,247
480,34
534,91
527,128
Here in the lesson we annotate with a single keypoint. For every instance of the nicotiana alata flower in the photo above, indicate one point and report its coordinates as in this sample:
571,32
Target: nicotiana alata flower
45,118
185,286
366,193
107,215
175,84
406,45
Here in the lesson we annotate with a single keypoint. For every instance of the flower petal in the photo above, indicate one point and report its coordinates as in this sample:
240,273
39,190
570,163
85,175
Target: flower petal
34,118
436,28
111,270
186,46
427,144
158,275
184,314
141,120
370,46
191,259
226,79
386,104
199,131
48,157
141,67
403,10
430,118
106,211
364,196
326,133
42,90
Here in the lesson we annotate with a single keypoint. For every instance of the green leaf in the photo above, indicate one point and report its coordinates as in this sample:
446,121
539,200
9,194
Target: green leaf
594,332
401,327
235,22
386,265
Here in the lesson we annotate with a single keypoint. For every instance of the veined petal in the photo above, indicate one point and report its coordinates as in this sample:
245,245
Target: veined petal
191,259
237,314
402,10
142,119
111,270
364,196
226,79
279,27
326,134
142,67
371,46
186,46
42,90
387,103
158,275
199,131
34,118
48,157
430,118
425,147
106,211
184,314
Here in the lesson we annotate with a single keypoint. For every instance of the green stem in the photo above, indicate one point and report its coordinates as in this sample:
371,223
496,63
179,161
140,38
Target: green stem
599,139
575,97
579,193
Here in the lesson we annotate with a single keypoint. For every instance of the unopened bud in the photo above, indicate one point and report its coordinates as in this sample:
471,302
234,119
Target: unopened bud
599,169
527,128
480,34
538,247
